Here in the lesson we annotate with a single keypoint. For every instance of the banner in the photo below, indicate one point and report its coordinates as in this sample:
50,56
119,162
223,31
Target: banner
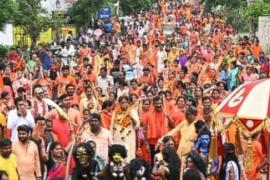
104,13
22,39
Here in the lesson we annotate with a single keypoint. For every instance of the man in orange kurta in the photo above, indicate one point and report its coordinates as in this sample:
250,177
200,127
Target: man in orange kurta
144,55
45,81
134,88
27,156
62,127
84,51
106,114
258,161
157,124
65,79
146,78
74,97
89,74
256,49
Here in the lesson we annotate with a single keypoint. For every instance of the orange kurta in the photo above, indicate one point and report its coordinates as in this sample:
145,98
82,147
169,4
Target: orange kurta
1,82
146,79
135,91
144,58
74,117
84,52
91,77
256,50
157,126
230,133
46,83
62,81
27,160
258,158
106,118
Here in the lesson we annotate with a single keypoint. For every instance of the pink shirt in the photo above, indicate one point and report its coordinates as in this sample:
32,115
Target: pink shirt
9,91
103,140
27,160
22,82
251,77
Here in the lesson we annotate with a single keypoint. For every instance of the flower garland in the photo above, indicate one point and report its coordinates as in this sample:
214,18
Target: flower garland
122,118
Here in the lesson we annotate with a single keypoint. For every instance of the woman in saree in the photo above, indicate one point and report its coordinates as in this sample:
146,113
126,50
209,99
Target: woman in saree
56,163
233,76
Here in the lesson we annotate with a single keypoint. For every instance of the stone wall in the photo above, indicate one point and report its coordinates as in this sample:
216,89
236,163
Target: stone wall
264,32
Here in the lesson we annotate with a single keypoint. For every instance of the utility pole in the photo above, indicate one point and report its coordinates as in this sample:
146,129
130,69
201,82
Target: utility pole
117,7
252,30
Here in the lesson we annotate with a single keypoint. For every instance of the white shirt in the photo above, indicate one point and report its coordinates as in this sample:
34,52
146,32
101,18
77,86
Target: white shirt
90,31
65,52
161,56
103,83
232,164
13,121
122,92
138,53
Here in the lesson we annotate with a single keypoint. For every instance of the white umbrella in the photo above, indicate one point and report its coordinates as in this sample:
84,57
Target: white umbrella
248,105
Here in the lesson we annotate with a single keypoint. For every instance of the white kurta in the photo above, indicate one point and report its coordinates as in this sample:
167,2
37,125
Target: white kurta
126,136
231,165
14,121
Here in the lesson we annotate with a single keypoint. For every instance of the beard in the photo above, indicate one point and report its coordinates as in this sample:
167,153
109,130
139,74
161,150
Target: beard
23,139
158,108
94,128
6,154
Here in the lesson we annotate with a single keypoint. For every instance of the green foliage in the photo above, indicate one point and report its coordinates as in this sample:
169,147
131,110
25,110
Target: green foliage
131,6
253,11
83,11
231,16
211,4
8,10
3,51
33,19
57,21
256,9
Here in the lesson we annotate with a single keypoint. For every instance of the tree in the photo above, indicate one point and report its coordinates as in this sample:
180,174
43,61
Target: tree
33,19
248,10
131,6
7,13
229,10
83,11
211,4
253,11
231,16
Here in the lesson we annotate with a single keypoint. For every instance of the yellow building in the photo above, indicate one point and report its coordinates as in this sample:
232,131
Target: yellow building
45,37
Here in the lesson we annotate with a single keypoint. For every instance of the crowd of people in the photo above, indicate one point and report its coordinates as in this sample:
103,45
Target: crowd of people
124,99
